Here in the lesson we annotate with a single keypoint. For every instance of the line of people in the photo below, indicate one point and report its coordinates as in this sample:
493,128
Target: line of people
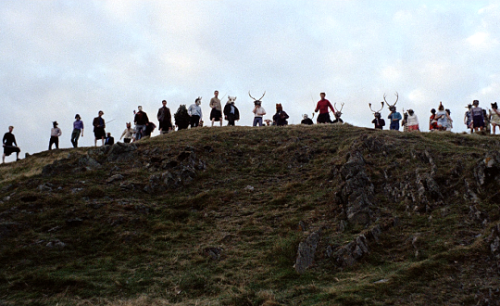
476,119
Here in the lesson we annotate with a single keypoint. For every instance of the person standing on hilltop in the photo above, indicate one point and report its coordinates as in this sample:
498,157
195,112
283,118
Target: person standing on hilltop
411,121
141,121
99,126
194,111
10,145
394,118
231,112
182,118
468,118
259,113
442,118
54,135
280,118
216,112
77,130
477,116
164,118
322,106
495,117
433,121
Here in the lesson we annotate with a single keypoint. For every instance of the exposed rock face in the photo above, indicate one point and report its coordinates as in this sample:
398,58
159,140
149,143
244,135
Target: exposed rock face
488,169
357,192
494,241
121,152
351,253
306,251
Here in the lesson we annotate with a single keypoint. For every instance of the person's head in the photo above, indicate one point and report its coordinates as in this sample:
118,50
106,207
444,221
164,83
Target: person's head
77,117
279,108
433,111
164,102
11,128
109,134
139,108
392,108
322,95
494,105
216,93
257,103
469,106
377,115
448,111
305,116
197,101
55,124
441,107
101,113
475,102
129,125
230,100
410,112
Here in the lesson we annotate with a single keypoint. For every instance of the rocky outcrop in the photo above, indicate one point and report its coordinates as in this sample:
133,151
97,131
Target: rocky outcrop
306,251
357,191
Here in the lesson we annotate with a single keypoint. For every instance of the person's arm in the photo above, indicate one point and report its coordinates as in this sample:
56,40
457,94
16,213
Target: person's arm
255,110
317,107
331,107
263,111
82,128
14,140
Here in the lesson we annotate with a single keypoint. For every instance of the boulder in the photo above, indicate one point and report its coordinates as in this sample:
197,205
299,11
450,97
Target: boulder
306,251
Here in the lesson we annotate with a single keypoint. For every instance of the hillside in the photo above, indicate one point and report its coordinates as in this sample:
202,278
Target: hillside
216,216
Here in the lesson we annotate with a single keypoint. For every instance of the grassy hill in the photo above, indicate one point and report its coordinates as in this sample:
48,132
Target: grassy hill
216,216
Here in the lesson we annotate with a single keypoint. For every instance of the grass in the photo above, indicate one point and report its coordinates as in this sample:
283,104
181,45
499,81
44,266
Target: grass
126,246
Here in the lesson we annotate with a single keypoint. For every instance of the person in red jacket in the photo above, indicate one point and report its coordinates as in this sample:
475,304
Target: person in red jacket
322,106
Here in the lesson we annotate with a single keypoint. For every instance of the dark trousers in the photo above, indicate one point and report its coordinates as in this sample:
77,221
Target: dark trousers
74,137
230,119
54,140
195,121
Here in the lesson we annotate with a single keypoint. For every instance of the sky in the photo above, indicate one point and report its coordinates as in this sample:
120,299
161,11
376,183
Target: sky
60,58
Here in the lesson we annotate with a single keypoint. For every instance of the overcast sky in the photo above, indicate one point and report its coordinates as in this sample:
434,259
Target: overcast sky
59,58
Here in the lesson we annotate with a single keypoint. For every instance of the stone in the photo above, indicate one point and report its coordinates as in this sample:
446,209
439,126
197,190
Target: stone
213,252
249,188
122,152
114,178
44,187
306,251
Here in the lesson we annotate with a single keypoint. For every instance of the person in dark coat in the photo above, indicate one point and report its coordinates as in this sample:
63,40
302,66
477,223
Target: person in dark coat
109,141
99,126
231,112
182,118
280,118
378,122
10,144
306,120
164,118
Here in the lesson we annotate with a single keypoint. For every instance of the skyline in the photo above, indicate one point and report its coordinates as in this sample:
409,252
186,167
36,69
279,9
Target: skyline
60,58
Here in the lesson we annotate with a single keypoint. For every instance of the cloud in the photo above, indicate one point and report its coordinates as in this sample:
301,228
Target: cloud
59,58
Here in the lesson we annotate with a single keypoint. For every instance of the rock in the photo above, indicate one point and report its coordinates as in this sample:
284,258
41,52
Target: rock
249,188
302,226
114,178
56,244
88,161
357,192
306,251
45,187
213,252
122,152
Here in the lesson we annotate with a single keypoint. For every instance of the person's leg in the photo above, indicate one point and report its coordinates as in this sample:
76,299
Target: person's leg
56,142
51,141
77,136
102,140
17,156
3,158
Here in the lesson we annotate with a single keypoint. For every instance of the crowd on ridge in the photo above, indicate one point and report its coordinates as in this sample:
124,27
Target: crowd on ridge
476,119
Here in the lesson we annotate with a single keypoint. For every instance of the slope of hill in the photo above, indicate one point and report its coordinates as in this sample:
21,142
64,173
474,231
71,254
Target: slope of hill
298,215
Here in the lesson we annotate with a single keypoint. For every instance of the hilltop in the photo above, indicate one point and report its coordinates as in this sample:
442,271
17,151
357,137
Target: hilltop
297,215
